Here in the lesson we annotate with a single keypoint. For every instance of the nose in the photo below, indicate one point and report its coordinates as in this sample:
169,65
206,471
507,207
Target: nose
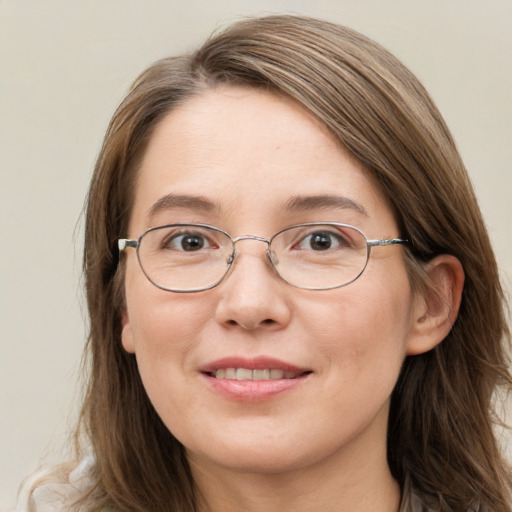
253,296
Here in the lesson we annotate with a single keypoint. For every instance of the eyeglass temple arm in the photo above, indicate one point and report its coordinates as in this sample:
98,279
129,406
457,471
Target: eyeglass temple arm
391,241
123,244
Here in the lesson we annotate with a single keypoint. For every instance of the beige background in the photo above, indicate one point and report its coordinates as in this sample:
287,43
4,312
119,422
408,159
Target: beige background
64,65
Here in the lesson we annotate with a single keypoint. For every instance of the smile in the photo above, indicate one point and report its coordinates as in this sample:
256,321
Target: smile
253,379
247,374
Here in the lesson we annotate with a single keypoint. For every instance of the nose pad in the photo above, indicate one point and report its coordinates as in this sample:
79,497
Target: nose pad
272,256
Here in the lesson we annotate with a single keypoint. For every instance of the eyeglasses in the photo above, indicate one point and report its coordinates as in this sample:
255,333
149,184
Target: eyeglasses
197,257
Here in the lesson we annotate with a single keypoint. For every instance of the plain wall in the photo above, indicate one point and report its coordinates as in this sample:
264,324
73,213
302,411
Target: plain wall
64,66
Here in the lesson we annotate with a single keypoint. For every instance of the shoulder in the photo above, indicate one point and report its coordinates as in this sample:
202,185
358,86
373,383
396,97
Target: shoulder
56,489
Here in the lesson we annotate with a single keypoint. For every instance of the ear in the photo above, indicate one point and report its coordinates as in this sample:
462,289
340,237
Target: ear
127,334
436,309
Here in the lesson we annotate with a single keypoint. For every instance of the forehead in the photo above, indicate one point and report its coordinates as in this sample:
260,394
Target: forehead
247,152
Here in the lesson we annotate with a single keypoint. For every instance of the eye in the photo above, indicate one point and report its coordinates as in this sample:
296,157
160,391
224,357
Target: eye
323,241
187,242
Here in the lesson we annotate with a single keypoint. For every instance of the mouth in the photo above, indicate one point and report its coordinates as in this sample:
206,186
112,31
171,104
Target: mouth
255,379
260,374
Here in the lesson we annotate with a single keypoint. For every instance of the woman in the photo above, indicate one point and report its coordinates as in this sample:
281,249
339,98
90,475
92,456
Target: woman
294,302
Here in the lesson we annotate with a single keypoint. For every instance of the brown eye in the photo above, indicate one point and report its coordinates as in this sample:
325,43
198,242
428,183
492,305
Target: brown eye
320,241
188,242
323,241
191,243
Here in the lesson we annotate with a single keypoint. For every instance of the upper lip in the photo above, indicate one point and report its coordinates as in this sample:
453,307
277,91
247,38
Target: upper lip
256,363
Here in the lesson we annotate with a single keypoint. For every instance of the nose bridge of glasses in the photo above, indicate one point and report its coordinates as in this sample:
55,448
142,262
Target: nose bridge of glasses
251,237
254,238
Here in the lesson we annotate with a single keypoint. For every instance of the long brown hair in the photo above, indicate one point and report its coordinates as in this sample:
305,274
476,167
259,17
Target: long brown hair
441,419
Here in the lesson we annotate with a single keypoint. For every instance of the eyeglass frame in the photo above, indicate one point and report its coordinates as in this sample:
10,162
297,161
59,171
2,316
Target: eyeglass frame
125,243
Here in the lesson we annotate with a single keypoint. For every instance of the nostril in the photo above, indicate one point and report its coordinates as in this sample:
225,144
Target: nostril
233,323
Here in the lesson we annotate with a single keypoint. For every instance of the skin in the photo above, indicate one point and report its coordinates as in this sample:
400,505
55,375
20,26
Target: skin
322,444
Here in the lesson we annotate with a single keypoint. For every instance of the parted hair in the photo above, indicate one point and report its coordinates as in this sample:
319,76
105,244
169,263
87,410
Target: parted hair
441,425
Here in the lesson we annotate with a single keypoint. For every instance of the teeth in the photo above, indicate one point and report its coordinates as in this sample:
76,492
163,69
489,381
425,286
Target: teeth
260,374
230,373
280,374
276,374
243,374
246,374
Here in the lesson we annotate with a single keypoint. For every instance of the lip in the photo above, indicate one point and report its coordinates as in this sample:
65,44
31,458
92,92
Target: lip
251,390
257,363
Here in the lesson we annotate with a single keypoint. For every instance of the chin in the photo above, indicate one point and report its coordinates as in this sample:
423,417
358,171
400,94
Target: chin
254,461
262,454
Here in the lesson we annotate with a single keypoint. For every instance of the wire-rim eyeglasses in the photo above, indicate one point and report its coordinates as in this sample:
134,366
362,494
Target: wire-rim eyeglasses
187,258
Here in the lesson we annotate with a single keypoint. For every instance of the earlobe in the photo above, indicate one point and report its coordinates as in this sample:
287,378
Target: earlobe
436,309
127,334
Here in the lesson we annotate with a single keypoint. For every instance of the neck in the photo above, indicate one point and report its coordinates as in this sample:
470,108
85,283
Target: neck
343,481
369,491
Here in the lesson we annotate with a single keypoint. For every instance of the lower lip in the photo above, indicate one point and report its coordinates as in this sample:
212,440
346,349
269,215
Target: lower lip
253,390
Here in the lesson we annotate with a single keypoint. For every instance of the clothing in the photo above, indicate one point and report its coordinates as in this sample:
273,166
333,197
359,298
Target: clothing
58,496
55,496
410,500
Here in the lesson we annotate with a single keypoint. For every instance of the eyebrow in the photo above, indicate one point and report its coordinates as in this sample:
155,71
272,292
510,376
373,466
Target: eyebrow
315,202
295,203
170,201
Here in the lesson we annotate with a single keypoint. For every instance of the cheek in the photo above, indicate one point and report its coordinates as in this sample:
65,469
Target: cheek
363,329
164,333
161,327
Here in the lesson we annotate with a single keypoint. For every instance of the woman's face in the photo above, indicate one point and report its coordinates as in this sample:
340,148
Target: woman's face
253,163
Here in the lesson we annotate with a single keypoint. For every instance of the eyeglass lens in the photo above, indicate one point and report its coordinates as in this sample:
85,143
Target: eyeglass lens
195,257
